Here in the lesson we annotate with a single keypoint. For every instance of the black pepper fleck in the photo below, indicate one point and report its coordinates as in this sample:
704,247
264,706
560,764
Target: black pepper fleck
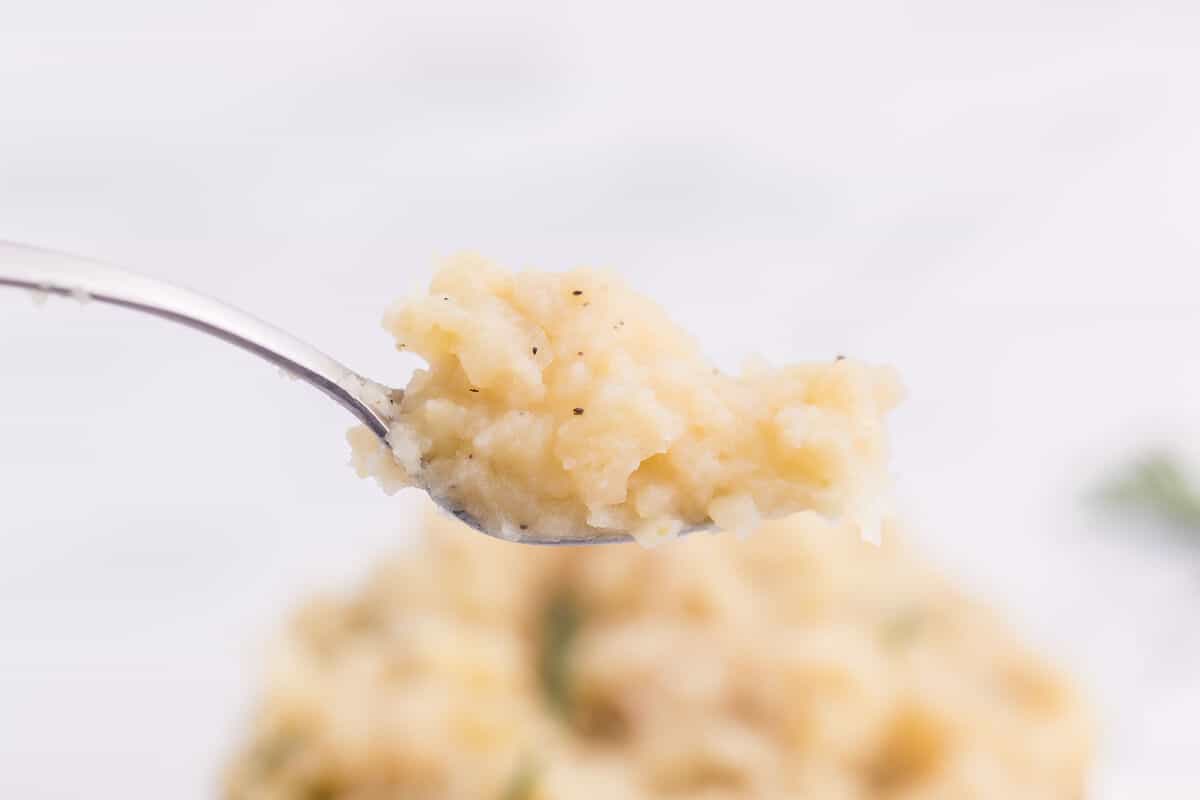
445,298
524,527
578,411
535,351
840,357
577,292
579,353
473,389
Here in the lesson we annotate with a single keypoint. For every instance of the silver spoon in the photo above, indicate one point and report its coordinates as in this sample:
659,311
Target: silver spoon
372,403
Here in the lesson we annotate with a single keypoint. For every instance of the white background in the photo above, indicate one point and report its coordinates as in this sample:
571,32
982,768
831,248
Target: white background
999,198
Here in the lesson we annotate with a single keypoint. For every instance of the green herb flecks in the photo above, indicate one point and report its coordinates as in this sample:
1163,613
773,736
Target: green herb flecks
560,624
524,781
272,754
903,627
1155,484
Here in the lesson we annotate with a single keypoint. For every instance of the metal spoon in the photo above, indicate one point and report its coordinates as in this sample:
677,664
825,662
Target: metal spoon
374,404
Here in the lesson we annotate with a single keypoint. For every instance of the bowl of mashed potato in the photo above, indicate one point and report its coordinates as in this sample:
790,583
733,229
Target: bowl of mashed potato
801,662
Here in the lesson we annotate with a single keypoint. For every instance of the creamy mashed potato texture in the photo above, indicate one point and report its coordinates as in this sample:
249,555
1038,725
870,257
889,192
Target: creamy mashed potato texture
801,663
561,403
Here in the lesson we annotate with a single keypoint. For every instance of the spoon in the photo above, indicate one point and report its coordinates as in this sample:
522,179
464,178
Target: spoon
375,405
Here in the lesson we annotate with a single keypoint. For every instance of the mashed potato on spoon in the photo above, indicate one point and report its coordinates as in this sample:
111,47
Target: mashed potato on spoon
564,405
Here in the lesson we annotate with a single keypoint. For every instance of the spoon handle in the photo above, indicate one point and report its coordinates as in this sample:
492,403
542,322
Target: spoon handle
58,273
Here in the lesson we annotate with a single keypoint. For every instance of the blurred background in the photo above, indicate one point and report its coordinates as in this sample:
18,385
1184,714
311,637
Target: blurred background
998,198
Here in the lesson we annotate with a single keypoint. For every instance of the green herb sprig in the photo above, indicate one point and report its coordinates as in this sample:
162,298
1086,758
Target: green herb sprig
1156,484
561,621
524,781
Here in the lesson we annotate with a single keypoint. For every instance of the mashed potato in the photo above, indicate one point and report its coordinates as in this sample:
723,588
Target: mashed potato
801,663
556,404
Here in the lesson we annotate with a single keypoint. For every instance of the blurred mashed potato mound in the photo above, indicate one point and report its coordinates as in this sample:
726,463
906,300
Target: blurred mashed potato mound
801,663
561,403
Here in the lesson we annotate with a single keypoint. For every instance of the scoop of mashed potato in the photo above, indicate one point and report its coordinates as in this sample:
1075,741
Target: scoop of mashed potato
561,405
801,663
